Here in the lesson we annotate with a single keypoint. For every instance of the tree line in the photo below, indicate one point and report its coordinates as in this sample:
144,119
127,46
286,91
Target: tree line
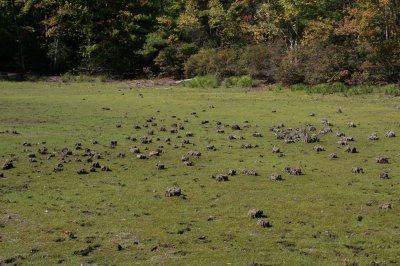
287,41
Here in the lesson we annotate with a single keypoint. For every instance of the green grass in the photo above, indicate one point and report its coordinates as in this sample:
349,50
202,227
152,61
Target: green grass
242,81
314,216
202,82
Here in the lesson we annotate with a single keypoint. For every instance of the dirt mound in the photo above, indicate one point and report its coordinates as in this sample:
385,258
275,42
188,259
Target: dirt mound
255,213
173,192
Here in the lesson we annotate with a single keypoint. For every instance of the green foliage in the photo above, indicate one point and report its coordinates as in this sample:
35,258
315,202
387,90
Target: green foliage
242,81
300,41
70,77
324,88
298,87
260,61
290,69
203,82
257,61
218,62
170,60
328,88
391,89
359,90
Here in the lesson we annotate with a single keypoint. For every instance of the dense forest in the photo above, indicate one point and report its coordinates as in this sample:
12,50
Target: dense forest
287,41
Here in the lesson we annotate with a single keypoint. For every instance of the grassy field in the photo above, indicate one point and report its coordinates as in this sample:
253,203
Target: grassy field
326,216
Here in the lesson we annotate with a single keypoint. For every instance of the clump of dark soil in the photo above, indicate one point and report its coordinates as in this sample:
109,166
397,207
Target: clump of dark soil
134,150
248,146
386,206
160,166
384,175
235,127
232,137
357,170
231,172
351,149
348,138
257,134
86,251
351,124
141,156
293,170
311,138
264,223
82,171
325,130
276,149
373,136
8,164
276,177
145,140
188,163
105,168
250,172
42,151
255,213
194,153
211,147
333,156
318,148
155,153
340,134
326,122
173,192
220,177
390,134
381,159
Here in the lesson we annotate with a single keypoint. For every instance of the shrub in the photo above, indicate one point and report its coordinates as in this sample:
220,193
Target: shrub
299,87
221,63
290,69
260,61
256,60
359,90
323,64
208,81
242,81
70,77
391,89
170,61
328,88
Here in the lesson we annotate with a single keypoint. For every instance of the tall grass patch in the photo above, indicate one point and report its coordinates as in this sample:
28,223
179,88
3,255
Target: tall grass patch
207,81
242,81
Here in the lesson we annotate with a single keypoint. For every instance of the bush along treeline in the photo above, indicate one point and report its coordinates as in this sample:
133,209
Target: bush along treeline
287,41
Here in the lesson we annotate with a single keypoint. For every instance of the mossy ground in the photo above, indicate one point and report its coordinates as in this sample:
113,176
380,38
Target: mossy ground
47,217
